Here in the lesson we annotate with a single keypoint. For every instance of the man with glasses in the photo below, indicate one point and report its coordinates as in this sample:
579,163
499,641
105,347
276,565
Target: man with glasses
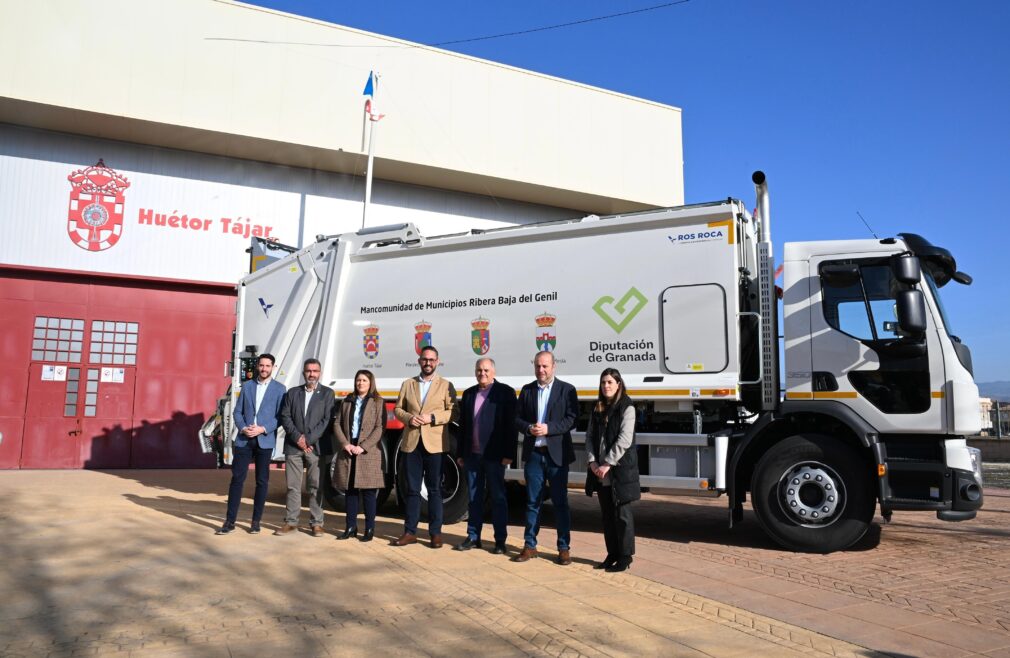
307,417
426,405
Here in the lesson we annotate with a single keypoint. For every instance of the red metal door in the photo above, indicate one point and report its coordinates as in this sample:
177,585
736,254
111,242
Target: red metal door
107,416
52,424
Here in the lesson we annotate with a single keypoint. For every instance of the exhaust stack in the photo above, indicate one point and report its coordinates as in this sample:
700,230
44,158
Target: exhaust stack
761,189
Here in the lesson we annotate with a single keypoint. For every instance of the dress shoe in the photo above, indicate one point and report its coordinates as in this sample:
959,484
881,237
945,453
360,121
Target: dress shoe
254,529
405,539
226,529
622,564
317,531
436,541
499,548
285,529
607,561
525,555
369,534
347,534
564,557
468,544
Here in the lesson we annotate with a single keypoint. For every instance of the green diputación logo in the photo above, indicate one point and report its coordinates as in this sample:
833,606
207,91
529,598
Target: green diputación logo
619,314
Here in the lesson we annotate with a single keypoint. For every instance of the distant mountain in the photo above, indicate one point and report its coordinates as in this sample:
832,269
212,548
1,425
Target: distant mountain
995,390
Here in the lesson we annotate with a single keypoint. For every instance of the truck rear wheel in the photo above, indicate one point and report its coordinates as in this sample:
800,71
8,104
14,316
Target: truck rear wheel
812,493
455,495
335,497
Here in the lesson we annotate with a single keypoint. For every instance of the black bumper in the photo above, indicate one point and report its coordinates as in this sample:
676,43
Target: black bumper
927,484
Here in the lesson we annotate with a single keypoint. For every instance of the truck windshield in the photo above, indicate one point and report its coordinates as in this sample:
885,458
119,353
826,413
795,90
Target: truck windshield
939,301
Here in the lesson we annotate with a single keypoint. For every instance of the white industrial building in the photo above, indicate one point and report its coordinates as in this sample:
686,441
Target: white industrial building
142,144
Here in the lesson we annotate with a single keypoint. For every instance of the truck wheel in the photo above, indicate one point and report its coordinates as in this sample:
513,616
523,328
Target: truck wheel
455,496
335,497
812,493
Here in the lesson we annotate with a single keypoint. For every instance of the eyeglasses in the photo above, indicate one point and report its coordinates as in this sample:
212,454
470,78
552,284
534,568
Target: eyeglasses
427,360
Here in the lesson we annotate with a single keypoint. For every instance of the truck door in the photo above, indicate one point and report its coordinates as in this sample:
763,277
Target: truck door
860,357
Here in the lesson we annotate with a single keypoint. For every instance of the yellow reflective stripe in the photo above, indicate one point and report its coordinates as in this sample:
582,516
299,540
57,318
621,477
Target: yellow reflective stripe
822,395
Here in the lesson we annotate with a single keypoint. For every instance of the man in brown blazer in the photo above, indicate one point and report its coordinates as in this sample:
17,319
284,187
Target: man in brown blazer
426,405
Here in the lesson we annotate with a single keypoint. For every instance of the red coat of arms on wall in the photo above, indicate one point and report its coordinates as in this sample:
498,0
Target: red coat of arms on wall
95,217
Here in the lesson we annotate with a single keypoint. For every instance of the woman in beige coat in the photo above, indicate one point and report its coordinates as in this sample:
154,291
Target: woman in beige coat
358,472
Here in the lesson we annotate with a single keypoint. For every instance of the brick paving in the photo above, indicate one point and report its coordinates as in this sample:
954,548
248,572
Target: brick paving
126,563
915,586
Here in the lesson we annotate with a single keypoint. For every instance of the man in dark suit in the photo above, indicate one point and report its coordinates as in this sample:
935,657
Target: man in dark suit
307,416
545,415
256,416
487,446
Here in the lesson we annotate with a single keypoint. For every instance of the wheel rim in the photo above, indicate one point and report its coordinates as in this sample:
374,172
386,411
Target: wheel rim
450,479
811,494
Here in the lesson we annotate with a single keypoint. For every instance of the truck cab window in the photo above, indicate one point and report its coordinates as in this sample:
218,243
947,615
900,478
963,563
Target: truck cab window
867,318
859,300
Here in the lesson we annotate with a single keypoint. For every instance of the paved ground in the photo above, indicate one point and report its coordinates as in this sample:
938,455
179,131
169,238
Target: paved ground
126,563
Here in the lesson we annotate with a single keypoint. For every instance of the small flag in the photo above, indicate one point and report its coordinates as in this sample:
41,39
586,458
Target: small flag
370,92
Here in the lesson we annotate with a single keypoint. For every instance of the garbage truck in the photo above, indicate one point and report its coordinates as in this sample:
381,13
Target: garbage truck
864,400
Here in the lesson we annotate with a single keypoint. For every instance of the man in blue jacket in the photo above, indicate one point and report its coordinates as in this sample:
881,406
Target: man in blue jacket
257,412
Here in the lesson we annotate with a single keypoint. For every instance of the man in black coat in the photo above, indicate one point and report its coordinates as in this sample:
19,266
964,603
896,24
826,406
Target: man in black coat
307,416
487,446
545,415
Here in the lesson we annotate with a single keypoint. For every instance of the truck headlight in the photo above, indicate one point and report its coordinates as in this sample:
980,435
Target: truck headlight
976,463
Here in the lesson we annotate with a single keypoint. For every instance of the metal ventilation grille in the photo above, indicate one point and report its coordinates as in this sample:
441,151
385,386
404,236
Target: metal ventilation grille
769,339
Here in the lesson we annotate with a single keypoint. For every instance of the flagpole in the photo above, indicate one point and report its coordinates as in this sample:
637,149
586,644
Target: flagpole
371,153
368,171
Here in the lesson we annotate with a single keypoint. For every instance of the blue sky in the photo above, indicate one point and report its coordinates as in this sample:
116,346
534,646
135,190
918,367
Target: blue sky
897,109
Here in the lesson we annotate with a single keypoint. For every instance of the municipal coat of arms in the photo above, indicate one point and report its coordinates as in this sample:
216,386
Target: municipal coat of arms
371,341
422,336
546,337
95,216
480,337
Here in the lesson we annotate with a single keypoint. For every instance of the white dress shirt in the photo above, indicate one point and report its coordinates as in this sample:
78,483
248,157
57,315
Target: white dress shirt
543,395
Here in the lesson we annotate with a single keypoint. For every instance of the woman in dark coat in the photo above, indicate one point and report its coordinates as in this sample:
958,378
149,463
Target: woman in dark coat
358,471
613,468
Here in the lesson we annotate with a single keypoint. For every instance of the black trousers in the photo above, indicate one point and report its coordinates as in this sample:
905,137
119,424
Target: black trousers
618,525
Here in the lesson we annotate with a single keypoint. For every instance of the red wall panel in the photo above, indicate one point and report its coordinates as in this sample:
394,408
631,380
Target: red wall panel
184,339
11,429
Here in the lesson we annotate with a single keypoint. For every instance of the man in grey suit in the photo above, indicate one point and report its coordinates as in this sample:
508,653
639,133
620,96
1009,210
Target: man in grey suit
307,416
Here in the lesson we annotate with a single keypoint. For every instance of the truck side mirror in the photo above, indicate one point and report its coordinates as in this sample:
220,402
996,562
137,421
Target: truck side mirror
911,313
840,275
906,269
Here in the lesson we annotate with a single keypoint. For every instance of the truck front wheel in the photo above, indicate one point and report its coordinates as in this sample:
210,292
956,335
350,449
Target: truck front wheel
813,493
